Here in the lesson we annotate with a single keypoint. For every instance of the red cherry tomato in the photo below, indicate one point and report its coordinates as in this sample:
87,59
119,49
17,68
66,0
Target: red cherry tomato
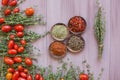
21,49
20,78
22,74
11,70
16,10
11,44
8,60
20,68
37,77
41,78
23,42
9,76
26,71
28,61
19,28
29,11
12,52
6,28
13,3
16,46
17,59
7,12
83,77
5,2
11,36
20,34
29,77
2,20
16,75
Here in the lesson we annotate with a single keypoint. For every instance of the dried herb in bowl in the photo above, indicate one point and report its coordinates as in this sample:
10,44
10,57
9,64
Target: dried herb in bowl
57,49
59,31
77,25
75,43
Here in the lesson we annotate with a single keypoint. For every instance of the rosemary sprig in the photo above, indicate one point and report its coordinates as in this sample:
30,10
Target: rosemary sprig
99,29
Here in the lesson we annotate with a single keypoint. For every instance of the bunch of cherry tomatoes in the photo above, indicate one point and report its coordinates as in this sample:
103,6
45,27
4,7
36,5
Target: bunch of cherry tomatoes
16,47
13,3
21,74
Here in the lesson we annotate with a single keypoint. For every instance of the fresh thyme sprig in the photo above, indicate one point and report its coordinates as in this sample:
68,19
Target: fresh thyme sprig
19,18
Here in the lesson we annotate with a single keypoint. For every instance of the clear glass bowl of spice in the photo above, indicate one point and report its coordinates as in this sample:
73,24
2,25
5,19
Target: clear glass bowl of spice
59,32
57,49
77,25
75,43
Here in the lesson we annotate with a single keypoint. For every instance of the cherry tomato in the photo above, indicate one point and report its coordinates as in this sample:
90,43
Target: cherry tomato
16,10
16,46
16,75
7,12
8,60
9,76
22,74
41,78
26,71
20,68
83,77
29,77
23,42
20,78
12,51
11,70
17,59
5,2
37,77
21,49
29,11
6,28
11,36
13,3
2,20
28,61
20,34
11,44
19,28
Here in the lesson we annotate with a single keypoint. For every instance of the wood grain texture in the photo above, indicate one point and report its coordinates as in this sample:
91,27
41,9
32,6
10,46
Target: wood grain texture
62,11
55,11
115,38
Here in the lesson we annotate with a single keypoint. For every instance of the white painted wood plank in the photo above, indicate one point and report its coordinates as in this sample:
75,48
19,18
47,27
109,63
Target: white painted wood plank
115,38
62,10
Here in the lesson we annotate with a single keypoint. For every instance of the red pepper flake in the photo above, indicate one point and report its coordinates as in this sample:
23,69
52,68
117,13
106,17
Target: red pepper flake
77,24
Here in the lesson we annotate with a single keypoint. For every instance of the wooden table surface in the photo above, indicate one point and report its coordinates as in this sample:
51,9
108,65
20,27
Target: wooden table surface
55,11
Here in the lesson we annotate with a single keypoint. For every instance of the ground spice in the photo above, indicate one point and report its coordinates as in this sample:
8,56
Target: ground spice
77,24
59,31
58,48
75,43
